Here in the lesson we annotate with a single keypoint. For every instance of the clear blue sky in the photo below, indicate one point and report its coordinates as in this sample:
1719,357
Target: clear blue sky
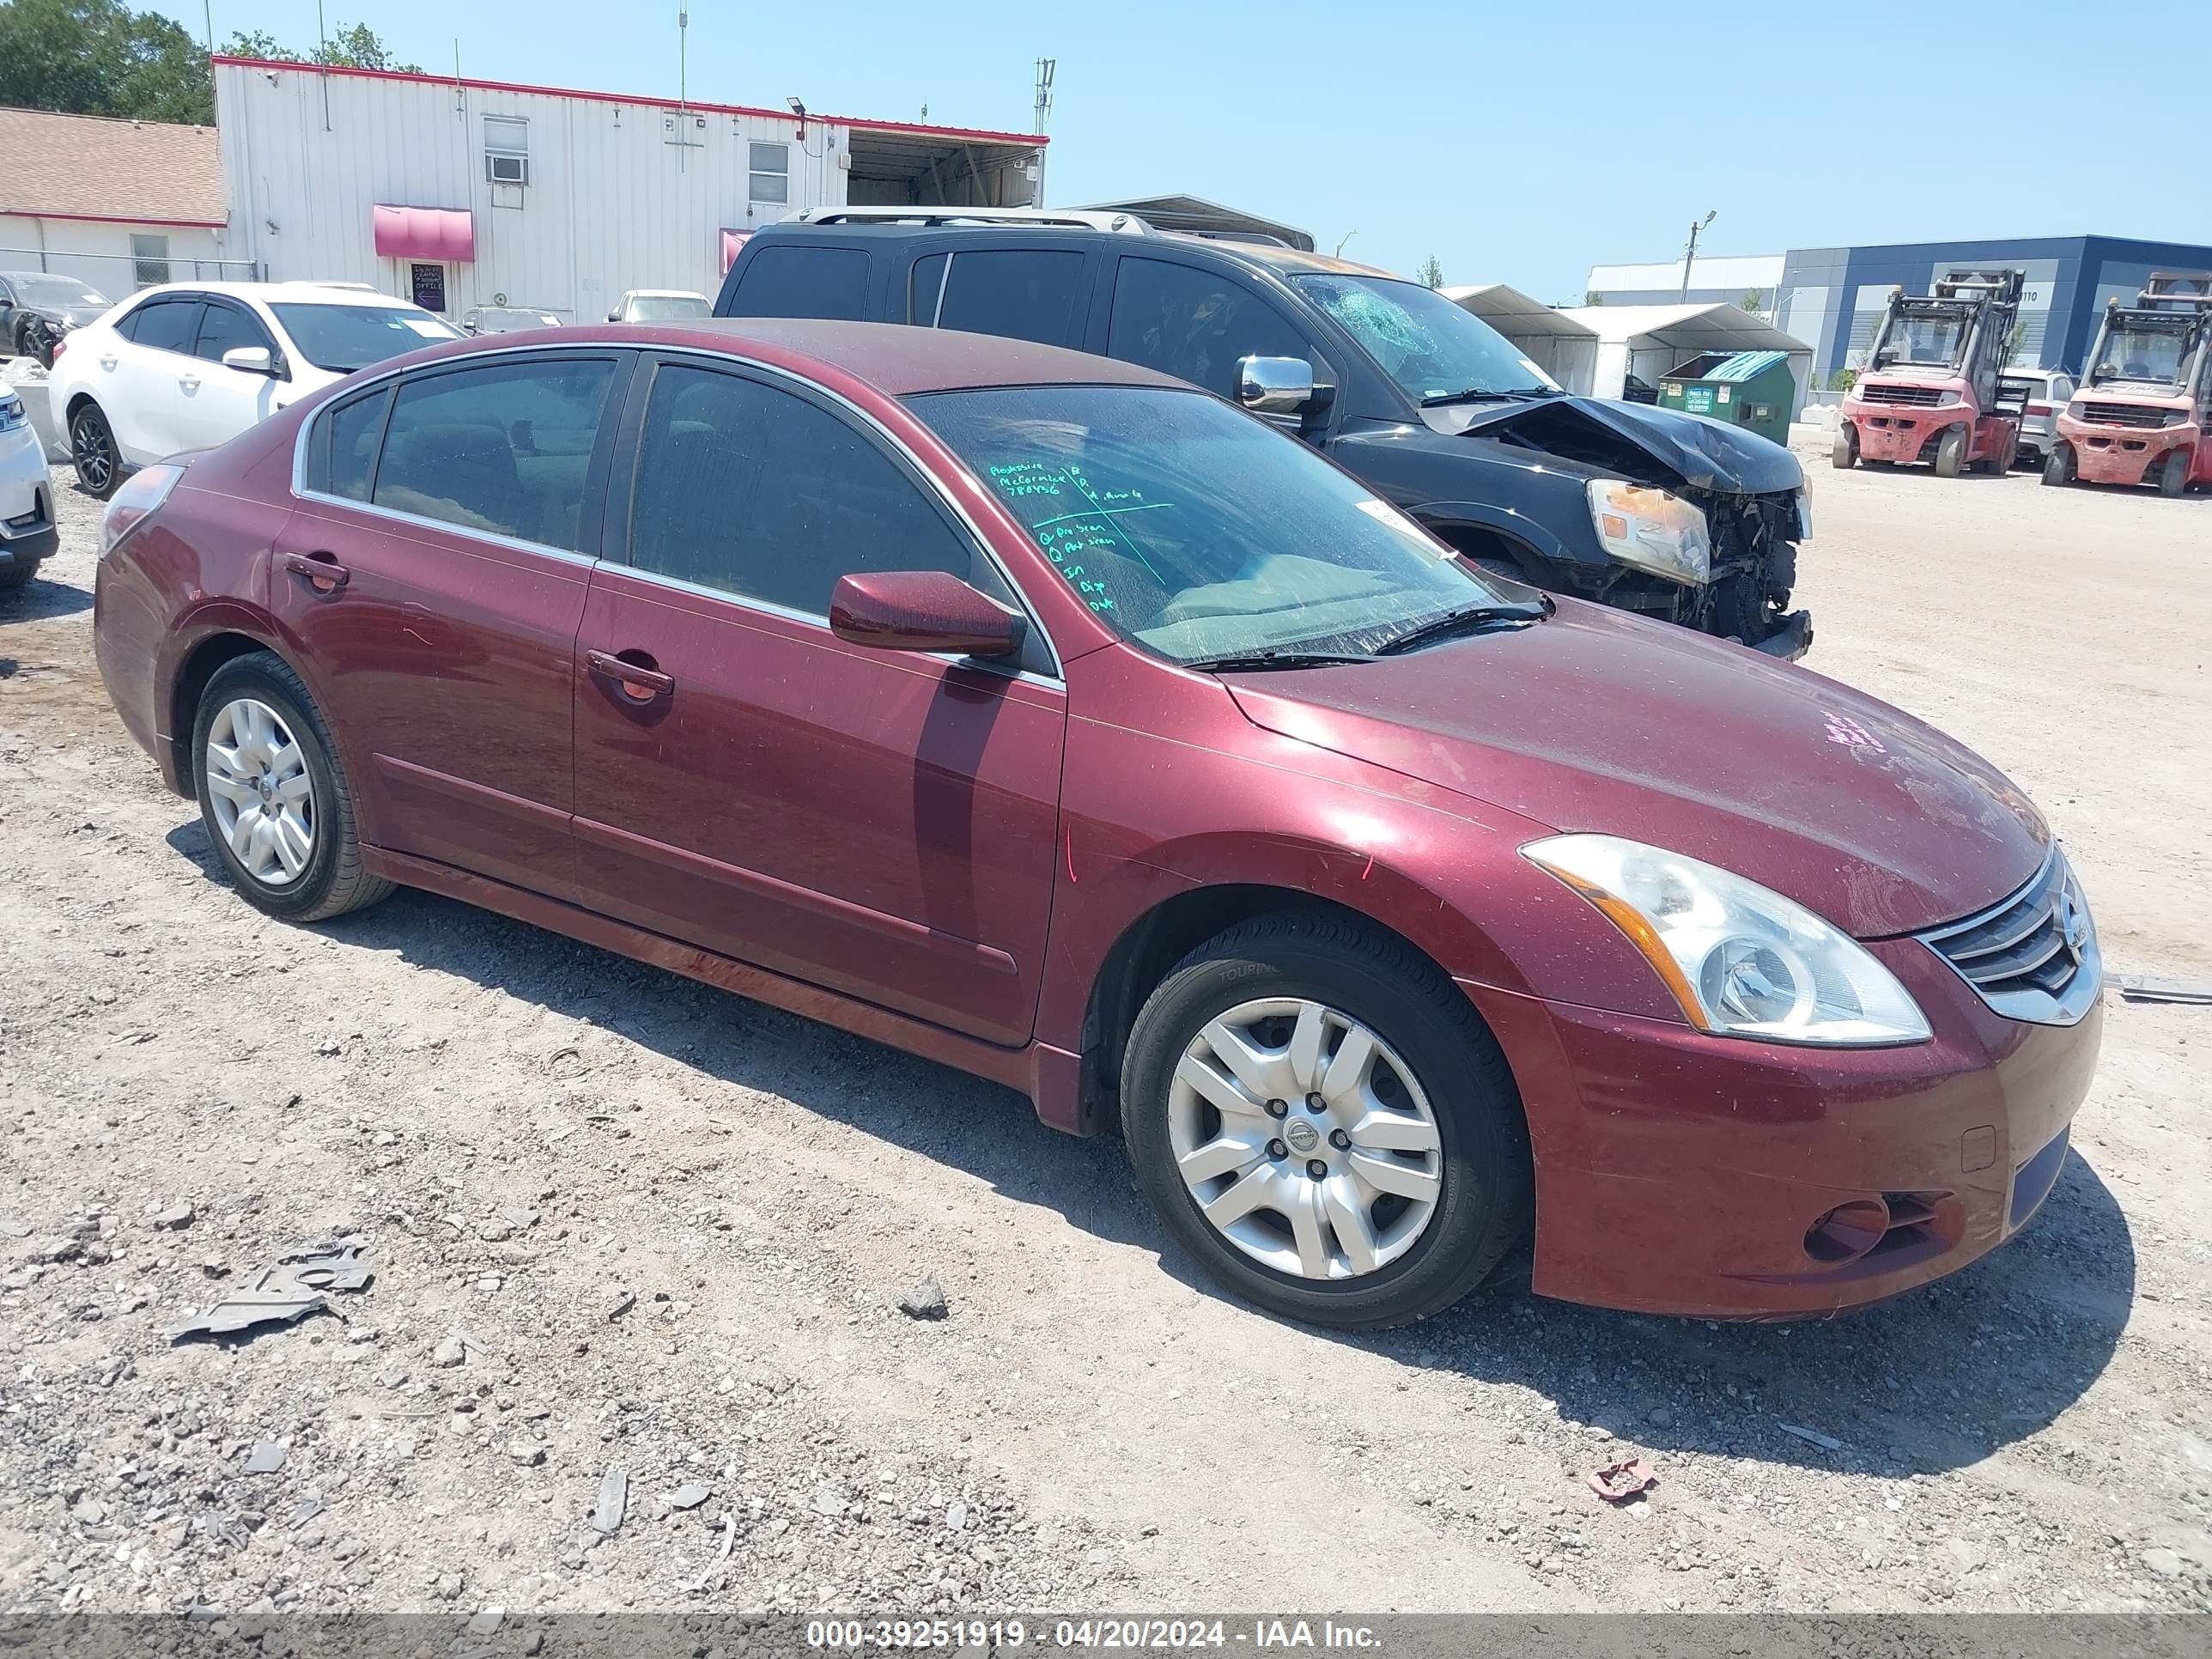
1517,144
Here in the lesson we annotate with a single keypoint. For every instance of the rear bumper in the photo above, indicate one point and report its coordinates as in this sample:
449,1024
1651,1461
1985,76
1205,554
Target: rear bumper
1682,1174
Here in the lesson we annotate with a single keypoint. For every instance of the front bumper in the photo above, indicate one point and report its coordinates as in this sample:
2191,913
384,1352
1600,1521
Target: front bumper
2121,454
1683,1174
1900,433
28,530
1791,640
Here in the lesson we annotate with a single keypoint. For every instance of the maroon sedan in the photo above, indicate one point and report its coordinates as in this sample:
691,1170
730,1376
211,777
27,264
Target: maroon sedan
1067,725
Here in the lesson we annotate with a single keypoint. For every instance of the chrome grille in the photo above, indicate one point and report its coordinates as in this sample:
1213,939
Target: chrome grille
2034,955
1925,397
2123,415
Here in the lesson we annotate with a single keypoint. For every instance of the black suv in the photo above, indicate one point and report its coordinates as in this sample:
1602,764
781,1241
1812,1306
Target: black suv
1668,515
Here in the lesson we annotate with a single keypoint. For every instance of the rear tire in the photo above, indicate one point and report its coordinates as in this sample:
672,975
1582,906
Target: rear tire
2058,469
1472,1159
1951,453
2174,473
1844,453
17,575
288,848
92,450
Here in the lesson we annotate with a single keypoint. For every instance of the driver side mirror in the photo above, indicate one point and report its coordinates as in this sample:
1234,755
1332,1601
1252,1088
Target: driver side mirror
1274,386
251,360
922,611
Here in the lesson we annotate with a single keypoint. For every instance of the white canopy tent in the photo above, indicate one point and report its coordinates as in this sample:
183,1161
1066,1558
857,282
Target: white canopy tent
1564,348
1651,341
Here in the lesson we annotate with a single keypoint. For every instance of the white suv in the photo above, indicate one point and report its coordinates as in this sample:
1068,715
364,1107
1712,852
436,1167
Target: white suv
191,365
27,494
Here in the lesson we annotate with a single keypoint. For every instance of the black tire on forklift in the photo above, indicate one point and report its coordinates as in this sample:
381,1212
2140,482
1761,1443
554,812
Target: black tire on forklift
1845,453
2174,475
1951,453
2058,469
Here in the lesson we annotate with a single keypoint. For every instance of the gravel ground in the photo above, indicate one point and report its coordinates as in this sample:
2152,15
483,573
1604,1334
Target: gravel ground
620,1221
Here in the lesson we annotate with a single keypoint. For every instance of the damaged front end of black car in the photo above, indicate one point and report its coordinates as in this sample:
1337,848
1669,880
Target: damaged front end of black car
1686,520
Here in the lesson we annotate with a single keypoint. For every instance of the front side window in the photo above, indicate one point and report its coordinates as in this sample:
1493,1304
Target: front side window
223,329
1020,294
755,491
803,282
1195,324
1196,529
166,324
504,449
343,339
769,172
1435,351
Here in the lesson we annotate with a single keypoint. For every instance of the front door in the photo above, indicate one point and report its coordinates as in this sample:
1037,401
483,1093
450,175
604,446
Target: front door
433,579
881,823
220,403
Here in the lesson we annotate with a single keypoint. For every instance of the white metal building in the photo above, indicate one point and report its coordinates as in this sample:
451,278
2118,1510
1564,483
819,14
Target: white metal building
461,193
1649,341
1563,348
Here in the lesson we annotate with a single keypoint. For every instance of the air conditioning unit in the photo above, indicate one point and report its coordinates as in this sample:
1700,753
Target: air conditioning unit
507,169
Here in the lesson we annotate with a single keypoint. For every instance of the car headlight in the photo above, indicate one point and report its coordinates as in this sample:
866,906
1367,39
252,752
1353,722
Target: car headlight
138,495
1651,530
1949,399
11,413
1741,960
1804,515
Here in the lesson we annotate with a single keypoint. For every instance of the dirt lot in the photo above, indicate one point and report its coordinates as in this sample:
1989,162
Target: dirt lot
662,1229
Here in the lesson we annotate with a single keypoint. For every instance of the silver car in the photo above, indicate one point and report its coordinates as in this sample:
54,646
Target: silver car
2048,392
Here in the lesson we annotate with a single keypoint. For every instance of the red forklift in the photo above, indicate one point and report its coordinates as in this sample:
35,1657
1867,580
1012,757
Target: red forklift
2144,412
1934,389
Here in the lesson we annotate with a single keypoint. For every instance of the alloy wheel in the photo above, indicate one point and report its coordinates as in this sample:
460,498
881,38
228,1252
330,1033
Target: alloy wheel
258,786
95,460
1305,1140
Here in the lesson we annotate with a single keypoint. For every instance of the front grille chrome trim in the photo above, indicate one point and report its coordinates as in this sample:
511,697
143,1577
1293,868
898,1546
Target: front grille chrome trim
2016,955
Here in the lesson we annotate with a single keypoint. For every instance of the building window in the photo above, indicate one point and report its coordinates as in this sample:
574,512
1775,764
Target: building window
150,259
506,150
771,172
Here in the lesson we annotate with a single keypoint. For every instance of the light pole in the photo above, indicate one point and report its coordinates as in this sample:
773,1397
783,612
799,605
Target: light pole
1045,69
1341,241
1691,258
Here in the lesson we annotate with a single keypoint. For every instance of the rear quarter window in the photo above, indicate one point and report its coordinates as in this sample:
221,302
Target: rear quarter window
803,282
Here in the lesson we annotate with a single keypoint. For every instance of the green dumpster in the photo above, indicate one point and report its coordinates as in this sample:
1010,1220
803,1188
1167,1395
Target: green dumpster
1750,389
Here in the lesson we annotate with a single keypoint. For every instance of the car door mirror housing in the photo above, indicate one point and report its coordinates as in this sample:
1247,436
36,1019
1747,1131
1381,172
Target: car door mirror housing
251,360
923,610
1274,386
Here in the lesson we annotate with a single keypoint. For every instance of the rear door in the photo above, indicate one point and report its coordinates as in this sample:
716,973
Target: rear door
433,580
143,394
881,823
219,402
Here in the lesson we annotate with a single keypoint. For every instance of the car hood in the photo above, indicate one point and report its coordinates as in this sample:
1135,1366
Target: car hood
1654,445
1595,721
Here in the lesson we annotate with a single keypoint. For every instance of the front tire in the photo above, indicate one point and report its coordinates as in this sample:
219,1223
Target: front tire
2174,473
92,450
2058,469
1951,453
273,795
1320,1117
1844,453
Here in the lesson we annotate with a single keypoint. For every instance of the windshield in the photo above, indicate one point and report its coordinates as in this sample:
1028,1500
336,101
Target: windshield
343,339
1199,531
2141,354
59,291
1421,340
1931,342
668,307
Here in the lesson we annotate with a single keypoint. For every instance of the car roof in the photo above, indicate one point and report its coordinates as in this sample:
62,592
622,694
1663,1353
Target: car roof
273,293
662,293
1274,257
896,359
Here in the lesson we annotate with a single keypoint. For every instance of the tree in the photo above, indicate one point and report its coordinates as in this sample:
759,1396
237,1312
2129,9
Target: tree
1753,300
358,47
1431,273
99,58
1592,297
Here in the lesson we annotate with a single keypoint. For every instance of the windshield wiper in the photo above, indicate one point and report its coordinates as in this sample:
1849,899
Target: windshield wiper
1458,622
1483,394
1274,659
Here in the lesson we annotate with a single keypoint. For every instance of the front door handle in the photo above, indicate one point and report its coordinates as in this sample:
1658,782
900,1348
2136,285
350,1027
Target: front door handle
633,674
108,362
321,571
190,382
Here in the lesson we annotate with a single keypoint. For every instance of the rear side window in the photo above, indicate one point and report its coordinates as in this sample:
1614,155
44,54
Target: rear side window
166,324
803,282
754,491
505,449
1195,324
1022,293
341,453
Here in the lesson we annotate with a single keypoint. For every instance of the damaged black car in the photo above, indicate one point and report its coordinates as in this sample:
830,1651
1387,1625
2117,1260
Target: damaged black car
1671,516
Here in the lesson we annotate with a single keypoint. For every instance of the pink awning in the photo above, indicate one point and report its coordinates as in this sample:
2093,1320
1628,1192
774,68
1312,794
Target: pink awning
446,235
732,241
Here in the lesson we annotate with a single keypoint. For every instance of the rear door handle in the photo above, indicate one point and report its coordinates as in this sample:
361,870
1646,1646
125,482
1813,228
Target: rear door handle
322,572
633,675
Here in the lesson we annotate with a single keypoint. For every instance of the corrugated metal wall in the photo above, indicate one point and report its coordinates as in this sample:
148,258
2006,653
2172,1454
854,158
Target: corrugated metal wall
614,201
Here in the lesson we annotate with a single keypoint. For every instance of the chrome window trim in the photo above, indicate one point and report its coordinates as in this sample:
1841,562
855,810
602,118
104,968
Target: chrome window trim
2033,1007
364,381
